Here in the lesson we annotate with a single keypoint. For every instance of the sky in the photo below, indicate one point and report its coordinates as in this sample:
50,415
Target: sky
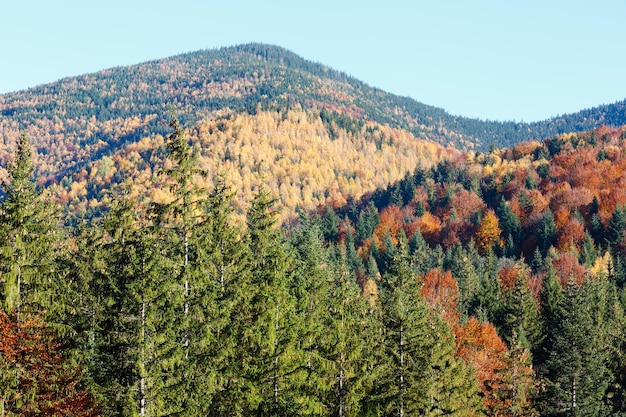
495,60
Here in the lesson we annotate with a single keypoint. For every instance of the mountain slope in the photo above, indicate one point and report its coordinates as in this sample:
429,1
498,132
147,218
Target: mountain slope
245,77
85,129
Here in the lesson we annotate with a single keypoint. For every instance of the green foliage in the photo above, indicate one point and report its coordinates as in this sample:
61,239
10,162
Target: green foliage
28,240
576,367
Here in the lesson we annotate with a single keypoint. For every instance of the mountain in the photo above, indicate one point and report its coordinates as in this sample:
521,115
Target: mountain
83,126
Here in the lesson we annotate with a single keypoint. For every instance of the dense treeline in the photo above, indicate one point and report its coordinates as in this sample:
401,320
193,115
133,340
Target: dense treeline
465,289
178,308
81,120
529,241
306,158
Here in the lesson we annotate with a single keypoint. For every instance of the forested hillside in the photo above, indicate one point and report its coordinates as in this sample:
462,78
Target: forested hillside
242,232
97,130
523,252
487,284
306,159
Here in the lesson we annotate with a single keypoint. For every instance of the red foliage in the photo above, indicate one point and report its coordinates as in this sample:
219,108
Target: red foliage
567,268
535,284
456,231
466,204
44,384
410,229
390,222
508,275
430,227
534,204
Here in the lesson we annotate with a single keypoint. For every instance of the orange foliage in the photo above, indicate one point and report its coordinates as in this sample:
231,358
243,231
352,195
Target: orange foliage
430,227
488,233
570,235
441,292
525,149
570,199
561,217
479,345
390,222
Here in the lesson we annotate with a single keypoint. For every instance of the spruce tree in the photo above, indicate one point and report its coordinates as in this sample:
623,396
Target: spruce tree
269,363
312,280
509,222
576,367
451,384
405,318
521,316
125,271
29,242
186,379
229,273
616,227
355,368
546,235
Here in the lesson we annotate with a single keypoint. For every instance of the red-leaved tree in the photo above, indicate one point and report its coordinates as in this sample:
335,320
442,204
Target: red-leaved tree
35,379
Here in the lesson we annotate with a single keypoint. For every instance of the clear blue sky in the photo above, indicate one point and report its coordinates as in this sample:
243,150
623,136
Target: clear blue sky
500,60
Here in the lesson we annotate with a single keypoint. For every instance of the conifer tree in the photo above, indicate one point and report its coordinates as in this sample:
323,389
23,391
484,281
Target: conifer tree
411,341
549,300
127,331
185,381
522,319
405,320
459,263
312,290
546,235
576,368
452,387
588,253
229,273
29,242
616,227
269,362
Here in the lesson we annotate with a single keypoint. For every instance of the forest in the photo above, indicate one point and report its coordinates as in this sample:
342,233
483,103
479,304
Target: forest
486,284
100,112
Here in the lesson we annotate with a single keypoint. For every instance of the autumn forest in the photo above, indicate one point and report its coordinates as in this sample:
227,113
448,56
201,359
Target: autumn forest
279,239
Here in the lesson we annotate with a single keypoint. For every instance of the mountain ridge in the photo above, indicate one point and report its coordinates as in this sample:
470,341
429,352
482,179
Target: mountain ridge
282,77
96,130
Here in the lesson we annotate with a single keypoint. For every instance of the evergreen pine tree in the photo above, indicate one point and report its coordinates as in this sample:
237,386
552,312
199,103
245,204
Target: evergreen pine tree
451,385
616,227
588,253
366,223
522,320
421,375
186,379
405,319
